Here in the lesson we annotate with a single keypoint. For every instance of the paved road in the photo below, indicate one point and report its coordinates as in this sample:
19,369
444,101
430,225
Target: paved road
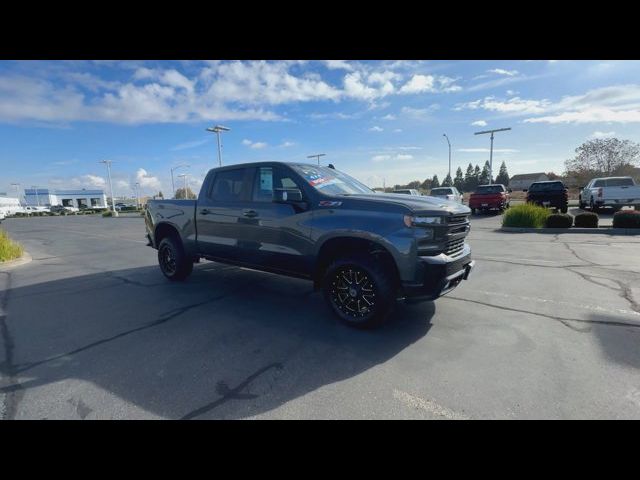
548,326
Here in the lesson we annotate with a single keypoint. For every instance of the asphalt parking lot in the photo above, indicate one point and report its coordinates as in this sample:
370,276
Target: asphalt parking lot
548,326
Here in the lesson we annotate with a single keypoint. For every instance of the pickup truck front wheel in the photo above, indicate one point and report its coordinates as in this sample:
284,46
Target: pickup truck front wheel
359,291
175,265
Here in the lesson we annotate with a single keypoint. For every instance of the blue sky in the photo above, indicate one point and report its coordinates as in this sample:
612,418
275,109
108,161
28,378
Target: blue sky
374,119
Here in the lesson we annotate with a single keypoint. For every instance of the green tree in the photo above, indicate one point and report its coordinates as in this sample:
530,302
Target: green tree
447,182
458,182
435,183
503,176
180,194
426,185
470,182
413,185
484,176
603,157
160,195
476,176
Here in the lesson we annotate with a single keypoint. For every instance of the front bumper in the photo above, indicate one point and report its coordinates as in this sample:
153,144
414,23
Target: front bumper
438,275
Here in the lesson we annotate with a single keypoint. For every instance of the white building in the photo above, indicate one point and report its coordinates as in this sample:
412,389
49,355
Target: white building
66,198
9,206
524,181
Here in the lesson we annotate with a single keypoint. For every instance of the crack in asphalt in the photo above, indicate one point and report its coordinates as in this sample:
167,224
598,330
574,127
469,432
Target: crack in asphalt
562,320
170,315
231,394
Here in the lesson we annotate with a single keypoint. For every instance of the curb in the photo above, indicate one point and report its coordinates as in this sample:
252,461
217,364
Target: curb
601,230
23,260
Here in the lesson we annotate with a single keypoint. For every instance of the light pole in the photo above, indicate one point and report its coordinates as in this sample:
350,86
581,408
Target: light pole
137,188
317,156
217,129
37,197
113,202
491,150
445,136
17,185
173,187
184,177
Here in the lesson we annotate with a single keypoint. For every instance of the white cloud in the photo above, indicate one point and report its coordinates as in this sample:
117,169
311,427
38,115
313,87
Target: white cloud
147,181
254,145
501,71
419,84
287,144
391,157
479,123
338,65
376,129
598,134
515,105
388,117
397,130
419,113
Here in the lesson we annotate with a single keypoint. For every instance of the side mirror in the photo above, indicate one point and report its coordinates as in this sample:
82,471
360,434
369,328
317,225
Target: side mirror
287,195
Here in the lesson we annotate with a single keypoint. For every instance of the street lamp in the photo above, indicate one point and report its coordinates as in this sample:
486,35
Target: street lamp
491,151
217,129
17,190
37,197
137,187
317,156
445,136
184,177
113,202
173,187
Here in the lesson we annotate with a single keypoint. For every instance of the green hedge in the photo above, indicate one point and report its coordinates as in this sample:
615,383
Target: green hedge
626,219
559,220
525,216
586,220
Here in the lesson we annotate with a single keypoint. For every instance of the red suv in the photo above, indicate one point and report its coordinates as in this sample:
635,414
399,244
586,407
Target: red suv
490,197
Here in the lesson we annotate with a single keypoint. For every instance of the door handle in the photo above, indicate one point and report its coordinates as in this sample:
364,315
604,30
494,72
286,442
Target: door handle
205,211
250,213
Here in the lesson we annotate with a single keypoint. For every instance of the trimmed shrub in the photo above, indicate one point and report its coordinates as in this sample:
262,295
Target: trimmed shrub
626,219
559,220
107,213
586,220
525,216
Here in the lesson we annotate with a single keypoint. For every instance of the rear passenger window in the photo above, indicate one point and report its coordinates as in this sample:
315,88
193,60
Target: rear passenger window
620,182
598,183
228,186
268,178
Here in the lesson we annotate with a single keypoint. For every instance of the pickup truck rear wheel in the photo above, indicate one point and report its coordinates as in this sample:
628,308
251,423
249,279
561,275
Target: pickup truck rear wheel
359,291
174,264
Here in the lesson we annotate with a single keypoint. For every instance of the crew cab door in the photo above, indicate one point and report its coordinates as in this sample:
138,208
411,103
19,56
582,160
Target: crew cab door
276,236
219,213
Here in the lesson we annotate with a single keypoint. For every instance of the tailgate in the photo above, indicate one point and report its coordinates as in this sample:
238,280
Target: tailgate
623,193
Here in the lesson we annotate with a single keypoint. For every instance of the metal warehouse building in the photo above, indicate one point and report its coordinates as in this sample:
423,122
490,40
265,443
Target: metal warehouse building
66,198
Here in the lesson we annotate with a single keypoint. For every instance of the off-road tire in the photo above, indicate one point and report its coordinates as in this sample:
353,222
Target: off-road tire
362,305
174,264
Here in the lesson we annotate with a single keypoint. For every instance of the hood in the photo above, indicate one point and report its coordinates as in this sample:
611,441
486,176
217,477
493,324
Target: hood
415,203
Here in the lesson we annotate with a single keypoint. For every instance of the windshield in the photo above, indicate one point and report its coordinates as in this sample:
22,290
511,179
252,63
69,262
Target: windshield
490,189
441,191
546,187
330,181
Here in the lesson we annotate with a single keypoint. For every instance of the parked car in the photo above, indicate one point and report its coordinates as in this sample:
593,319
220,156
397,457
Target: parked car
552,193
614,192
408,191
490,197
30,209
363,250
2,216
448,193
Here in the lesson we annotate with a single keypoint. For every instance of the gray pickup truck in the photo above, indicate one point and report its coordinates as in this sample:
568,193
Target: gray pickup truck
363,249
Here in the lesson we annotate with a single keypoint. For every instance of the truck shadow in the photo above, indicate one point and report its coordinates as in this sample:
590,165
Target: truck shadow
227,343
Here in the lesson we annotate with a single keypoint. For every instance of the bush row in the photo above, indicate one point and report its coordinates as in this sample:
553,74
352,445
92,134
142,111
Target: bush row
626,219
532,216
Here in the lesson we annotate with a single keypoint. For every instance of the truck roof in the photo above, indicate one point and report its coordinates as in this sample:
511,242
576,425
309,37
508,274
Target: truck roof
264,163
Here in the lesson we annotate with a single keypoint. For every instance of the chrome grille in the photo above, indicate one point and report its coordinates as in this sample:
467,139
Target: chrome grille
454,247
458,219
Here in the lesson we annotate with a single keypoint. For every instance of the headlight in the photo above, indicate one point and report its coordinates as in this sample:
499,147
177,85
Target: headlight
411,221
